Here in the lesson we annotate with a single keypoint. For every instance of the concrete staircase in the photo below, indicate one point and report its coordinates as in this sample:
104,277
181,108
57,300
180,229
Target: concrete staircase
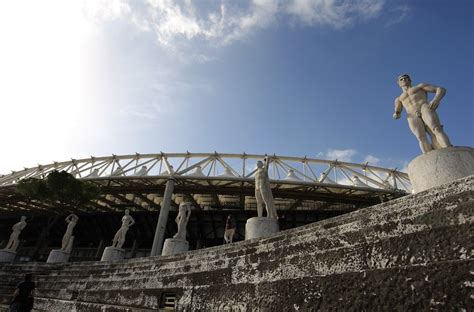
410,254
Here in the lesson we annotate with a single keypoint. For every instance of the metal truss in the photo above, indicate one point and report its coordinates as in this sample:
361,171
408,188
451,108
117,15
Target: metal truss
216,179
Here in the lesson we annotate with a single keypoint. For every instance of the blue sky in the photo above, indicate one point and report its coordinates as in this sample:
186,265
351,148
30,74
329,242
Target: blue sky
295,78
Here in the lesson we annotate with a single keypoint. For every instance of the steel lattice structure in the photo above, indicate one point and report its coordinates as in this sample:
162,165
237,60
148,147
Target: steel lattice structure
210,180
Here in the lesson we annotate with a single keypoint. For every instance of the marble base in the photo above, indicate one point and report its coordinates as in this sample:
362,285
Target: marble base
7,255
260,227
113,254
58,256
174,246
441,166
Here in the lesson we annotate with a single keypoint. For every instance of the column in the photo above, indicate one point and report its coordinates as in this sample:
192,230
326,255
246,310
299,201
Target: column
162,219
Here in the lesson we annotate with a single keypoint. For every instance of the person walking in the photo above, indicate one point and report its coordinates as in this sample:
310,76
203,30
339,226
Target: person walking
23,295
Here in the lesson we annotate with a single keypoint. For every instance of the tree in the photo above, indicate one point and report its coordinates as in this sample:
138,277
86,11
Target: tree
59,187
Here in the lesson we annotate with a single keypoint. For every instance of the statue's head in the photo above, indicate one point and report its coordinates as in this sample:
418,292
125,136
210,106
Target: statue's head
404,80
23,218
184,206
259,164
127,211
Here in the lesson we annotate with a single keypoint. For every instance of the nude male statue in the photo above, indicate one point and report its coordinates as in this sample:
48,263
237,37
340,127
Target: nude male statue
263,191
421,114
229,231
119,238
14,241
182,220
72,221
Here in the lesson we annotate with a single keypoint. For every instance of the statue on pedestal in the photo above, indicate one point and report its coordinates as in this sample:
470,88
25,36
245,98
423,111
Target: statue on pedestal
119,238
421,113
182,220
14,241
229,231
72,221
263,191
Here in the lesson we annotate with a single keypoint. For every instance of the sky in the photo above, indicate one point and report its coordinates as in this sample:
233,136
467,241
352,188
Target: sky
292,78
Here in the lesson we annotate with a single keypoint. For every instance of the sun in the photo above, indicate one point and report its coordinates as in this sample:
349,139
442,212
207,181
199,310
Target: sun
40,76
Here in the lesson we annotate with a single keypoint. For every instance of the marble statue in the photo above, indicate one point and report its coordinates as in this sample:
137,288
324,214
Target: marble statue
263,191
127,222
421,113
229,231
182,220
71,223
14,240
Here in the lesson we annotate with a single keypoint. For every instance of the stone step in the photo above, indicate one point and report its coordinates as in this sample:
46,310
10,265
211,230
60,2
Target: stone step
369,256
428,232
443,286
58,305
322,292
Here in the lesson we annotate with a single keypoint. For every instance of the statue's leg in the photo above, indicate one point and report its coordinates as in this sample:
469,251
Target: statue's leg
258,197
116,238
121,239
418,128
65,240
434,141
9,244
431,119
15,244
226,237
269,204
64,243
232,233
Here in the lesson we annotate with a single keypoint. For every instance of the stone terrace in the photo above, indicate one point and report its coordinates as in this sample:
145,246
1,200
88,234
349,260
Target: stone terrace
413,253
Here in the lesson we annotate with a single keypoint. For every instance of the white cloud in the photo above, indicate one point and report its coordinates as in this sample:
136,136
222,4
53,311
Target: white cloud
105,10
342,155
175,22
372,160
398,14
333,13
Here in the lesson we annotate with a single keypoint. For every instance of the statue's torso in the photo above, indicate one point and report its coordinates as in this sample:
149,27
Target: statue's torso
126,220
18,227
413,99
260,178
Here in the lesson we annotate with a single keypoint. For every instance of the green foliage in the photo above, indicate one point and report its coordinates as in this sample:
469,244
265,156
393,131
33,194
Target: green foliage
58,187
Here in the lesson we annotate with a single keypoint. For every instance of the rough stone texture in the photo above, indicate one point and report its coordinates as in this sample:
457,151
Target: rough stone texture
258,227
7,255
441,166
410,254
58,256
113,254
174,246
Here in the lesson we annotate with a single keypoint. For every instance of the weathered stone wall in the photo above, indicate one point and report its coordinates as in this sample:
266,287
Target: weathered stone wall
413,253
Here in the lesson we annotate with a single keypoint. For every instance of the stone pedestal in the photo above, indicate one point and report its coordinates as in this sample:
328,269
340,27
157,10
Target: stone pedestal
440,166
7,255
113,254
174,246
260,227
58,256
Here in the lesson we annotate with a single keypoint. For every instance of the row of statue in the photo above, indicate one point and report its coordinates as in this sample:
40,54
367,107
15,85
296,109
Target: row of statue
14,240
